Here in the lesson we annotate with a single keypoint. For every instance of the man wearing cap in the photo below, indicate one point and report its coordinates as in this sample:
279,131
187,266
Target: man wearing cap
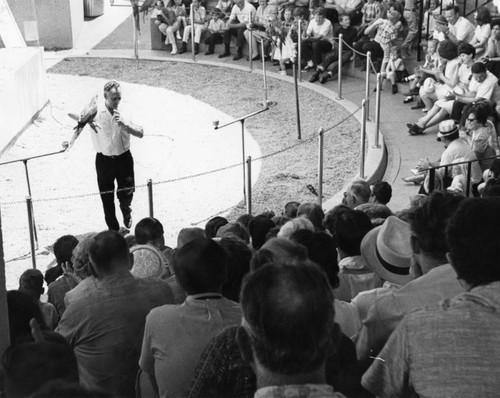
456,150
451,349
458,29
441,24
438,281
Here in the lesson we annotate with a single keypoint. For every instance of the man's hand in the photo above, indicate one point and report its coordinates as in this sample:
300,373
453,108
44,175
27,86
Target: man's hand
117,118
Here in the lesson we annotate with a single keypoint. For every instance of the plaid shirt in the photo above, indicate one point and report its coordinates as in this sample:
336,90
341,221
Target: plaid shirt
386,32
370,11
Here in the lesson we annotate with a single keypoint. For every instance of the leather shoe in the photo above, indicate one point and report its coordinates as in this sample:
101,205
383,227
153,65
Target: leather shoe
127,220
418,105
314,77
209,52
414,129
225,54
324,78
408,99
237,57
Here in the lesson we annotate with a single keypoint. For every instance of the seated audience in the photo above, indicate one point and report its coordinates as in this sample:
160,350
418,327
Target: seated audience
435,278
176,335
355,275
290,210
452,348
197,23
213,225
22,308
31,283
76,277
283,305
492,56
215,31
317,40
258,227
293,225
314,213
63,249
29,364
242,13
234,229
381,192
459,28
105,322
238,265
376,212
357,193
482,32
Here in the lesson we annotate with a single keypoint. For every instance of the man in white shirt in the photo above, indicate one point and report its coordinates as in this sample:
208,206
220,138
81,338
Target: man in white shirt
114,160
242,14
459,28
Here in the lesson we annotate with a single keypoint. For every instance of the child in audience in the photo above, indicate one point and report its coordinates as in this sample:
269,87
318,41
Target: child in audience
198,17
432,61
289,27
225,6
215,28
429,23
171,19
395,70
371,11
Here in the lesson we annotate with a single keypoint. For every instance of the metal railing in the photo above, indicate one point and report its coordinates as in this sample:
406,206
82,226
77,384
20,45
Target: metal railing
446,167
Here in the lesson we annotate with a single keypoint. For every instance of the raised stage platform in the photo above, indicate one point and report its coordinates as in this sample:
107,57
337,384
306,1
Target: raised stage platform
23,91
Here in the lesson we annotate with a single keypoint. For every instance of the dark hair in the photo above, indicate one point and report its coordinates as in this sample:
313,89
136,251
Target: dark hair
473,236
495,22
350,229
200,266
483,16
32,281
455,9
290,316
22,308
244,220
258,229
279,221
63,248
448,50
320,249
491,188
481,113
382,191
466,48
238,265
29,365
478,67
213,225
233,229
331,218
277,250
106,249
428,222
291,209
313,212
112,84
147,230
319,11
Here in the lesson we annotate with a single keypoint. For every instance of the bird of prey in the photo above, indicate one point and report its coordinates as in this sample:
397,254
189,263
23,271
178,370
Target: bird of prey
87,116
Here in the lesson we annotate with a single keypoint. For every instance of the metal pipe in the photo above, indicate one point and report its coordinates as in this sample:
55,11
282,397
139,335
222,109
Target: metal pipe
363,139
339,82
469,178
250,46
249,185
432,176
25,162
263,71
192,33
297,106
377,111
320,165
29,206
243,157
150,197
419,31
367,83
216,123
299,50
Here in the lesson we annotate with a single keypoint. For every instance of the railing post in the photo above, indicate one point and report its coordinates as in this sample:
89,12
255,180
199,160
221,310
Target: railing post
367,83
377,111
297,107
243,159
469,178
339,80
192,32
432,176
249,185
250,46
363,139
299,50
4,313
150,197
31,225
320,165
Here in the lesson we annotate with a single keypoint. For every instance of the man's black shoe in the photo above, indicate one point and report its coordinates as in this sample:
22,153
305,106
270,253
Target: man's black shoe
237,57
224,54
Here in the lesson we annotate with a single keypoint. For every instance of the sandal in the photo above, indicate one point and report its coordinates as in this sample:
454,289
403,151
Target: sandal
408,99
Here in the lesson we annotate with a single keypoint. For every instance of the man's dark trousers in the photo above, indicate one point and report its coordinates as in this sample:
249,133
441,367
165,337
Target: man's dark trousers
121,169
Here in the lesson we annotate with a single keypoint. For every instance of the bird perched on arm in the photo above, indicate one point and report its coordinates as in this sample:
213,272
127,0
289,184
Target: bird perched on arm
87,116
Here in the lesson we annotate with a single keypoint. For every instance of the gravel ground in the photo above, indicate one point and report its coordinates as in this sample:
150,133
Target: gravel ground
173,150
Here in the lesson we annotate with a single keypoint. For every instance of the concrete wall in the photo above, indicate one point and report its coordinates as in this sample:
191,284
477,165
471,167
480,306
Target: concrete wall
59,22
25,16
